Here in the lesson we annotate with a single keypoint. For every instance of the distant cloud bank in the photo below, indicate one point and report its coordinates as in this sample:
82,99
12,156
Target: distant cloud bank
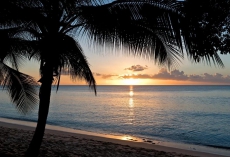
163,74
177,75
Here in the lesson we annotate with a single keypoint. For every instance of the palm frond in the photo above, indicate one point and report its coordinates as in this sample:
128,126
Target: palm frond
21,88
15,49
78,65
116,23
138,26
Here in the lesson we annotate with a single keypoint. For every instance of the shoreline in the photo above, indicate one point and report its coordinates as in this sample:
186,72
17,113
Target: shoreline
130,141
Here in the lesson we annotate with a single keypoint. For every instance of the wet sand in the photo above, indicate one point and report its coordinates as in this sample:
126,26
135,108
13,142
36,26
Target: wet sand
63,142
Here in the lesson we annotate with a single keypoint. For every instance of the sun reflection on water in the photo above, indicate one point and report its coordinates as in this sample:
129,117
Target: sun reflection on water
130,93
131,115
131,104
130,88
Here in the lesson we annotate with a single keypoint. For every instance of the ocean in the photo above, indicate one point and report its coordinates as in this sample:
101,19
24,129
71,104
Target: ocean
197,115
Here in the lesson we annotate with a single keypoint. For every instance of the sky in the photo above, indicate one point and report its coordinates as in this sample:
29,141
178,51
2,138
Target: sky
111,68
115,68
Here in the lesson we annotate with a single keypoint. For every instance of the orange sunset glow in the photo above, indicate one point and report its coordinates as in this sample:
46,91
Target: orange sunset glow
109,70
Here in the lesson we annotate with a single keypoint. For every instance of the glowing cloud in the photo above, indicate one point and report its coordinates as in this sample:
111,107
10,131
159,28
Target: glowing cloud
137,68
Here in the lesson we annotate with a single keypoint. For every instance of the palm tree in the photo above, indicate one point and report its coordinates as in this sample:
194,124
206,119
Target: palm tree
156,29
57,51
47,42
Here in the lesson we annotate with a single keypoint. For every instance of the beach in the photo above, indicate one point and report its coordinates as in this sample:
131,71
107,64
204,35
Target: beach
15,138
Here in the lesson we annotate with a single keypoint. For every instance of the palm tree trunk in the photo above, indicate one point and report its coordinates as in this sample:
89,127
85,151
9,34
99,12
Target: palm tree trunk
44,96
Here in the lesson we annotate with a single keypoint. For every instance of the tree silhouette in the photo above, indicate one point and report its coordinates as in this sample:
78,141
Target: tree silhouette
57,51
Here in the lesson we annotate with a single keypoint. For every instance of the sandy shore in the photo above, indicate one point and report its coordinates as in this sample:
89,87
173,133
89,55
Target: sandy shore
15,138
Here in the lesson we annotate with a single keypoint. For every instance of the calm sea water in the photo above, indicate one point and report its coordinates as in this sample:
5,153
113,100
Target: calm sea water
188,114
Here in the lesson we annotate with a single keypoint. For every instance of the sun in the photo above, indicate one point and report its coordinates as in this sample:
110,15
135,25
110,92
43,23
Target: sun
131,81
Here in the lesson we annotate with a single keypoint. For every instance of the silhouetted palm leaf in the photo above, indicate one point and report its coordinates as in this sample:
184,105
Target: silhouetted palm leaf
21,88
15,47
75,62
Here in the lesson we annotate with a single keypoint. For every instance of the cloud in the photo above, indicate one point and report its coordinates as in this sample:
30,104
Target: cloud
104,76
97,74
174,75
137,68
138,76
108,76
177,75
